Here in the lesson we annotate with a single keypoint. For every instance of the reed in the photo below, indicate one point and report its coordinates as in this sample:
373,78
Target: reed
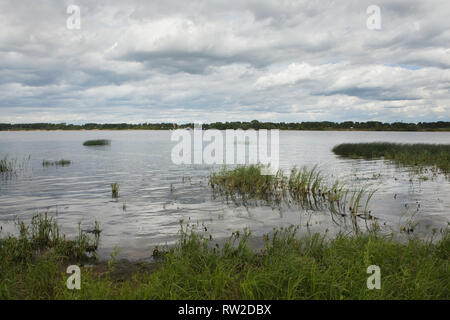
115,190
8,165
306,187
416,155
245,183
62,163
42,235
288,267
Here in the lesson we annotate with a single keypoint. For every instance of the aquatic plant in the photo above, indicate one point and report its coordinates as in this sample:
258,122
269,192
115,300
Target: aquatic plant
62,162
96,230
99,142
245,183
115,190
41,235
12,165
416,155
8,165
306,187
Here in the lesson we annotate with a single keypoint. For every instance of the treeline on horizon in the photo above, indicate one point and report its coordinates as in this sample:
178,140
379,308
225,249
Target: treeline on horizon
319,125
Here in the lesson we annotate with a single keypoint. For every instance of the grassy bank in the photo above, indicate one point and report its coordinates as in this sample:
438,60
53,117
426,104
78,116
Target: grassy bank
33,266
417,155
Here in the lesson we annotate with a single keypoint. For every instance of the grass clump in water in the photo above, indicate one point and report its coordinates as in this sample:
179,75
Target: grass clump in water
417,155
8,165
62,163
115,190
32,263
306,187
244,183
99,142
12,165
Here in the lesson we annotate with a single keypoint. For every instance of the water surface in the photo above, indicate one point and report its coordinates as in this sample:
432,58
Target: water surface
156,194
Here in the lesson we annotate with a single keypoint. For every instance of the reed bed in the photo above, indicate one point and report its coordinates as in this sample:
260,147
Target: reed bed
62,163
417,155
8,165
98,142
12,165
306,187
41,236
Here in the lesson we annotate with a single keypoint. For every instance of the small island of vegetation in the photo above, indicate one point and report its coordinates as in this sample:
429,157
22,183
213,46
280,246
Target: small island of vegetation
98,142
417,155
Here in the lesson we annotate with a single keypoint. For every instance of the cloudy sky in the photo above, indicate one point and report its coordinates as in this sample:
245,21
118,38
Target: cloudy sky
224,60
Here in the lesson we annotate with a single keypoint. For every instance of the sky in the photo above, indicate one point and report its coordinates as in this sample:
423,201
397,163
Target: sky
224,60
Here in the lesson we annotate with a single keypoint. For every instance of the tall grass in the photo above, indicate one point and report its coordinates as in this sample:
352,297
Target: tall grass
62,163
43,234
115,190
31,263
417,155
245,183
12,165
306,187
287,267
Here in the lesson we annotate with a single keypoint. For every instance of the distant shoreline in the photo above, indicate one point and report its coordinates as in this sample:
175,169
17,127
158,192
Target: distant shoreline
438,126
310,130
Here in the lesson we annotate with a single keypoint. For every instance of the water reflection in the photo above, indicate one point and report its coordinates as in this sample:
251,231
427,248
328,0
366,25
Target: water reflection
156,194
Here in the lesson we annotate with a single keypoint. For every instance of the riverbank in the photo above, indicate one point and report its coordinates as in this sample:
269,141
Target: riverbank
33,266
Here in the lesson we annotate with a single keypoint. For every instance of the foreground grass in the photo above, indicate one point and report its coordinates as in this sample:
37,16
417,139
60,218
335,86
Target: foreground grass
287,267
417,155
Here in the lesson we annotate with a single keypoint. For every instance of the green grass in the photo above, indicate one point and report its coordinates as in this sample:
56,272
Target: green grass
12,165
306,187
7,165
99,142
62,163
287,267
31,263
115,190
245,183
417,155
